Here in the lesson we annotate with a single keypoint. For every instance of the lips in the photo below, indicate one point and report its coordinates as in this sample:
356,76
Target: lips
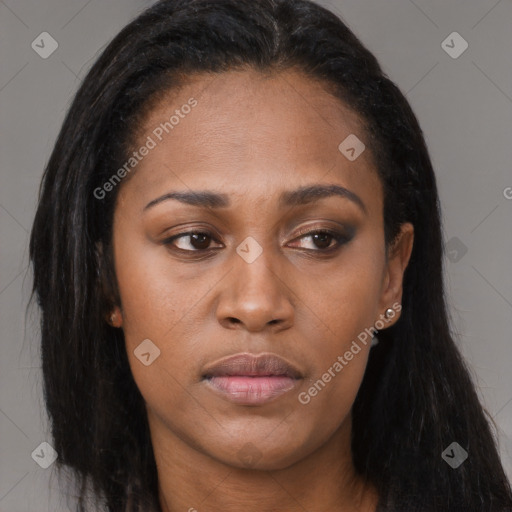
248,365
246,379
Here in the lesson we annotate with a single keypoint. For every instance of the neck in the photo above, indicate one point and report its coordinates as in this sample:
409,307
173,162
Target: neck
324,481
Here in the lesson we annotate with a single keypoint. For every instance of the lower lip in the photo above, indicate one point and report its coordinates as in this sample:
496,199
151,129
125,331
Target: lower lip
251,390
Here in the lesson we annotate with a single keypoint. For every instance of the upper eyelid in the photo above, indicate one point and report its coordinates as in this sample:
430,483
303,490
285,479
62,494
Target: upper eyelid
302,232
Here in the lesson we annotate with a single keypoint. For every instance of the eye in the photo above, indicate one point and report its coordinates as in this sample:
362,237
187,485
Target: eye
197,241
322,240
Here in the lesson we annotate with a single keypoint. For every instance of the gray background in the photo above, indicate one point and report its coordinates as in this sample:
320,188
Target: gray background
464,106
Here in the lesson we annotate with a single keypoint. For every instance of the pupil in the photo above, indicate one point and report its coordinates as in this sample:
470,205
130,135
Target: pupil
323,239
200,239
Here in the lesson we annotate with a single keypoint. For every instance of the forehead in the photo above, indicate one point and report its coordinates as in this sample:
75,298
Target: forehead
250,129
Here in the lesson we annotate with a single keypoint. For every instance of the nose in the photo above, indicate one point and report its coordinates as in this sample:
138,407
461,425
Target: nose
255,296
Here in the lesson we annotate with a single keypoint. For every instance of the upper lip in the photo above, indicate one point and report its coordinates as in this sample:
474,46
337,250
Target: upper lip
250,365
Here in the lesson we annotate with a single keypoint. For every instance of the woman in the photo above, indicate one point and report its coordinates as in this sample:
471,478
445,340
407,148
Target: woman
239,200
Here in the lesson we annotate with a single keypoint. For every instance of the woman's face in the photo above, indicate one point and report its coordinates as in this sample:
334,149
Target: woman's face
257,275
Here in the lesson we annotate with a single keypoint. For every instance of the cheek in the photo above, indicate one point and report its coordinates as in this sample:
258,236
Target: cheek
338,363
345,299
155,293
158,308
345,308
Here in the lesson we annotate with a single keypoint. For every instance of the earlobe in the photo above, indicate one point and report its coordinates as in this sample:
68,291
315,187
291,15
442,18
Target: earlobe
115,319
389,314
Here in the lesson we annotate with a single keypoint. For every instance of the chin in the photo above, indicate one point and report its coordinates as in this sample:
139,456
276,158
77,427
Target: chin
275,455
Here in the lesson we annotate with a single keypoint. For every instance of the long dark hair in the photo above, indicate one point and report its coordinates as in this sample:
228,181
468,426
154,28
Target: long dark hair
417,396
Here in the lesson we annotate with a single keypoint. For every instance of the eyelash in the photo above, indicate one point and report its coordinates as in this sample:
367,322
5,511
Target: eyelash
338,237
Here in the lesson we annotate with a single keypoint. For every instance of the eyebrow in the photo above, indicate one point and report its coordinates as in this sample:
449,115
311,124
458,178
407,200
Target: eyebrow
298,197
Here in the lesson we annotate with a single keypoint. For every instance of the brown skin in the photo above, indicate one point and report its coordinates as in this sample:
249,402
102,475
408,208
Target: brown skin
251,137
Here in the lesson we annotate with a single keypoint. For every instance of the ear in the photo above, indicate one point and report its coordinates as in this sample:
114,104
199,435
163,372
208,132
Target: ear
398,257
107,288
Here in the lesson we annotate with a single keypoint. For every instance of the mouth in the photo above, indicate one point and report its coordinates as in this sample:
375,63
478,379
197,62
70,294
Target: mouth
246,379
